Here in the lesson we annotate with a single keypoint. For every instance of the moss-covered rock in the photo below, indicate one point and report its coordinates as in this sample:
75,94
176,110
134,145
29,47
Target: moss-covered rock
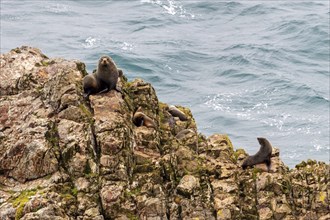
90,161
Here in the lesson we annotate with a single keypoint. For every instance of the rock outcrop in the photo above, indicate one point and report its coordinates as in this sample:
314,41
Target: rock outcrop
62,157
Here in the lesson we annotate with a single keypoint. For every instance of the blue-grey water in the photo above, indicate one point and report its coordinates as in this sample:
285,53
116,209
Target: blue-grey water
245,68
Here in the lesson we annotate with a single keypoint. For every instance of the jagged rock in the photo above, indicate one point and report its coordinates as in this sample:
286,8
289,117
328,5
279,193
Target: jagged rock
153,208
48,213
63,157
220,146
7,211
92,213
27,152
265,213
224,214
325,217
146,139
187,185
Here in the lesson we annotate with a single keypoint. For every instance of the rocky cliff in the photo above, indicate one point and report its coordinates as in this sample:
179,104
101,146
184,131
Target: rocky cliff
63,157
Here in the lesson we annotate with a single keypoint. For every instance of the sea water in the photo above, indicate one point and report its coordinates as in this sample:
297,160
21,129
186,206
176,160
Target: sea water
245,68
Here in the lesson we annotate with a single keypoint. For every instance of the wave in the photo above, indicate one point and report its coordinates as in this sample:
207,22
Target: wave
171,7
91,42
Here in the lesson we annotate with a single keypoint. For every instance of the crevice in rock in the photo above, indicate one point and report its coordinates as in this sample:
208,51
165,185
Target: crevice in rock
96,148
290,194
159,145
97,152
168,190
52,137
99,202
129,140
211,190
97,155
180,212
241,195
255,193
168,211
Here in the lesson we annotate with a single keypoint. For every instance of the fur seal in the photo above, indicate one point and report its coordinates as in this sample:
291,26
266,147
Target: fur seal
103,79
262,156
140,119
175,112
90,85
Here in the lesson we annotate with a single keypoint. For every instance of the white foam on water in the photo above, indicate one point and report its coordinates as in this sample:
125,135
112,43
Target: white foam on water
57,8
171,7
126,46
91,42
283,124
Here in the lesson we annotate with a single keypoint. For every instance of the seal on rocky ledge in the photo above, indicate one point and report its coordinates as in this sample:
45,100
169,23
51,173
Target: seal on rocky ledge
262,156
140,119
103,79
175,112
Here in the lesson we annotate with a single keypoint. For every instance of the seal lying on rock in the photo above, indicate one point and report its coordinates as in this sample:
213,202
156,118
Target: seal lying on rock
262,156
103,79
175,112
140,119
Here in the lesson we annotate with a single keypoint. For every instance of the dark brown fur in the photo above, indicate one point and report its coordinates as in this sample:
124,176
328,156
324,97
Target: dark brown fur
140,119
262,156
103,79
175,112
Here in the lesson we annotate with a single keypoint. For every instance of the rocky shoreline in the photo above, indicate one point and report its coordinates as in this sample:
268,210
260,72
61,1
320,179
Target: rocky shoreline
62,157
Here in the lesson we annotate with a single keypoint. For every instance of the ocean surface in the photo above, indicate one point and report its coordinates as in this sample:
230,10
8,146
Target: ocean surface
245,68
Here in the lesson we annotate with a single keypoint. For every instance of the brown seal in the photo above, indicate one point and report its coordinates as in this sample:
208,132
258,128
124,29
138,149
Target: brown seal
262,156
90,85
175,112
103,79
140,119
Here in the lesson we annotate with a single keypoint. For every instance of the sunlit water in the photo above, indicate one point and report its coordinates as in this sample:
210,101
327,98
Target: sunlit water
245,68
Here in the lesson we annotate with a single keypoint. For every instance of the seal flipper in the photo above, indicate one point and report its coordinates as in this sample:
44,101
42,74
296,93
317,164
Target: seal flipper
104,90
86,94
